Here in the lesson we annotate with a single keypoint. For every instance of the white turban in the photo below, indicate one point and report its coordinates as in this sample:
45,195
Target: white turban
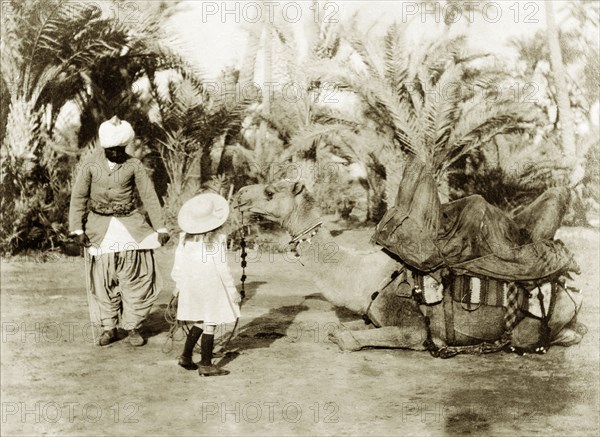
115,132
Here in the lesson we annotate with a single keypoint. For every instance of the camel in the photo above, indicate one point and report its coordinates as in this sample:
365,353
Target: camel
368,282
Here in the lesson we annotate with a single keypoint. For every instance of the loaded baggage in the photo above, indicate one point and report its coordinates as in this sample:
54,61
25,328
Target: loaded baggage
493,266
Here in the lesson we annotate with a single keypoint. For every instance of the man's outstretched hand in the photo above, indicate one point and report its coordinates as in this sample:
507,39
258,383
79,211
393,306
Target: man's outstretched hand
83,240
163,238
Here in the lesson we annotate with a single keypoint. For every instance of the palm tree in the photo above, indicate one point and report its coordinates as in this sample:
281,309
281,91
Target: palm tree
562,94
579,48
435,102
304,105
53,52
262,40
45,48
190,122
511,171
280,114
299,102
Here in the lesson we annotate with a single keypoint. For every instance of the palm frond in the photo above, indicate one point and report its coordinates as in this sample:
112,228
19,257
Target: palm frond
360,44
478,124
305,138
406,129
446,113
395,63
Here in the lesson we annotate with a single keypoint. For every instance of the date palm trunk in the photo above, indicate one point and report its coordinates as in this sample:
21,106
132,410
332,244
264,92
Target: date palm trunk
565,115
267,79
21,128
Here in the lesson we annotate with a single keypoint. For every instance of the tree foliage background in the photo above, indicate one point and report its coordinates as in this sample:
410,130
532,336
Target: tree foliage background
67,66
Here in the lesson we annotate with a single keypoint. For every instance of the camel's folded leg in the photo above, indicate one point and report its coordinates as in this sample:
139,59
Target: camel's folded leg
387,337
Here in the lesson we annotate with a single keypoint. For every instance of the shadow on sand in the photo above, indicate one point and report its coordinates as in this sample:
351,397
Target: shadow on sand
156,322
260,332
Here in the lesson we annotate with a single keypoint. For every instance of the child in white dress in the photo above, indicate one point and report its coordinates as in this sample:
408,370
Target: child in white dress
207,294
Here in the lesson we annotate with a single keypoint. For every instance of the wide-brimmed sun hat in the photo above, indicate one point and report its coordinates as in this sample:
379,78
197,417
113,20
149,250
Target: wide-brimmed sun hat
203,213
115,132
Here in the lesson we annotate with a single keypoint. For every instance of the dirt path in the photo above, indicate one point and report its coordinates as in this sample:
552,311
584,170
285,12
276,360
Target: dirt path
286,378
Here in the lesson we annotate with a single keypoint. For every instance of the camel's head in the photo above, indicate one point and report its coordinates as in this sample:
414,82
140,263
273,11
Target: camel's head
284,202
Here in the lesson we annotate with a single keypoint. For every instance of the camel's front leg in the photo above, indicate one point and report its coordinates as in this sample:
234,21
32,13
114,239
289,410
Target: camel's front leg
402,337
357,325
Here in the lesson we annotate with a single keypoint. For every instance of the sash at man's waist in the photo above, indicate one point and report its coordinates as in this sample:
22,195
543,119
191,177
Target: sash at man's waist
112,209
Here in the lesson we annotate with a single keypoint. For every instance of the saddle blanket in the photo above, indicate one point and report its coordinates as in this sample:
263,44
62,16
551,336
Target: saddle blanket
472,292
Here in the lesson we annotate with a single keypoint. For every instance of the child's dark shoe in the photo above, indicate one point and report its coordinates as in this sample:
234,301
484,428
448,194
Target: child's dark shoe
187,363
211,370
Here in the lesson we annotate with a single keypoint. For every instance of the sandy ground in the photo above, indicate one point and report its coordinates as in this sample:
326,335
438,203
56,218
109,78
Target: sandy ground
286,377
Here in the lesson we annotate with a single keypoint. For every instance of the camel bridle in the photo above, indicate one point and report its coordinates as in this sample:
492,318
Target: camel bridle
303,236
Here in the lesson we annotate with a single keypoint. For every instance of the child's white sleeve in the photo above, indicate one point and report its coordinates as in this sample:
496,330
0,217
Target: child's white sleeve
225,273
177,269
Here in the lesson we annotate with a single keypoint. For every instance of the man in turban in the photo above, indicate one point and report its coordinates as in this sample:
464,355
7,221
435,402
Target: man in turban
119,240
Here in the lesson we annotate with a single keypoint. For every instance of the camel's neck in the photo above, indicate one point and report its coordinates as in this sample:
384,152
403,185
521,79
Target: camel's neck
301,219
344,278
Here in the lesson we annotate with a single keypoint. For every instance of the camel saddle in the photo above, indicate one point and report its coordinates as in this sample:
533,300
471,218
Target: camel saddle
471,237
